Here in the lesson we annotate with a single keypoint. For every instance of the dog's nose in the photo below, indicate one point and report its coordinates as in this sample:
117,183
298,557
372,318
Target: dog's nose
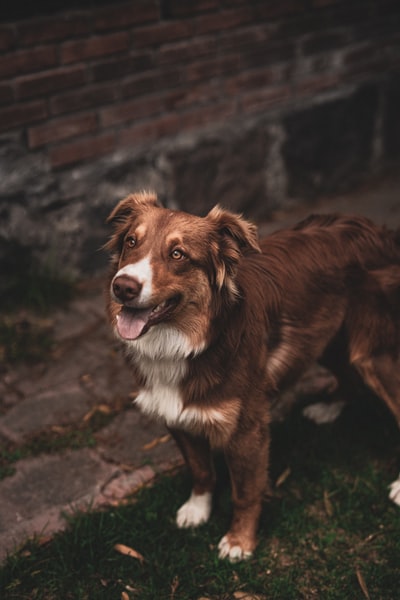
126,288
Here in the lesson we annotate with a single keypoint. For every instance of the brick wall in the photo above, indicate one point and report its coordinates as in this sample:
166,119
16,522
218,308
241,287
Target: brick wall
252,103
79,85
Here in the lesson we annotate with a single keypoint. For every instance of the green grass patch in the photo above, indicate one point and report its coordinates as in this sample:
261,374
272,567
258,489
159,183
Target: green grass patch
328,533
23,339
29,283
28,290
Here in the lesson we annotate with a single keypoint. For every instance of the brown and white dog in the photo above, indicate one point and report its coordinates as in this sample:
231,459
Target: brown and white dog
216,323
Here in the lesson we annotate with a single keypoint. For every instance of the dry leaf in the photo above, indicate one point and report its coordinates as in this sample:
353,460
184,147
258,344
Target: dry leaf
102,408
156,442
240,595
362,584
328,504
127,551
124,596
282,477
174,586
58,428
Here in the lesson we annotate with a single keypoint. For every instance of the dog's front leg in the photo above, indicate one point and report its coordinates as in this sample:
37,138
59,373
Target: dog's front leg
197,455
247,457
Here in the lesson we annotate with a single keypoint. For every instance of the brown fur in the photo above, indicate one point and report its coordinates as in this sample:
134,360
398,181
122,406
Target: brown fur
257,316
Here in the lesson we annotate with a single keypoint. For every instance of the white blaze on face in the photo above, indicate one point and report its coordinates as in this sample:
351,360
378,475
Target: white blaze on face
143,273
131,322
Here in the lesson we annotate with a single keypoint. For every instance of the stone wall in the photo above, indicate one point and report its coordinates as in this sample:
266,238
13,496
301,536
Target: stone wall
254,104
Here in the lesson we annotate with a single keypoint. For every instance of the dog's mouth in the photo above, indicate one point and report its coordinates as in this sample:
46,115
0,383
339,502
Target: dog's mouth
134,322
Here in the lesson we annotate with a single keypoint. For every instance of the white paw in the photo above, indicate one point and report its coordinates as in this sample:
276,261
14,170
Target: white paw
232,553
322,412
395,491
195,511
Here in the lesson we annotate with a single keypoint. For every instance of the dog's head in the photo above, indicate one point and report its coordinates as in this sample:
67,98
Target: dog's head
172,268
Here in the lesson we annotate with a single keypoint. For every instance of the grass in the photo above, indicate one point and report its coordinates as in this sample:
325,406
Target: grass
328,533
29,291
30,283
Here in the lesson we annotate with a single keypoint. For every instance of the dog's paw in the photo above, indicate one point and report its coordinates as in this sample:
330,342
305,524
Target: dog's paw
195,511
323,412
395,491
233,552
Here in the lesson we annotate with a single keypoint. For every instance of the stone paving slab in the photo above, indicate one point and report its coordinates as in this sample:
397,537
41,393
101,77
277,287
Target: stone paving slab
88,370
43,488
60,406
133,439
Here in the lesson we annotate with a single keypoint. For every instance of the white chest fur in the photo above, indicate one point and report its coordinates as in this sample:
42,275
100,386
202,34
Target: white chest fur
161,397
162,357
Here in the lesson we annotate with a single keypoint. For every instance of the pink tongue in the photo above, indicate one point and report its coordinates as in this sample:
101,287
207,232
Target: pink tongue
130,322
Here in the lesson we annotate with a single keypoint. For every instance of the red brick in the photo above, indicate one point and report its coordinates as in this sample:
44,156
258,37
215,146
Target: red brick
313,86
39,31
86,97
187,50
323,3
93,47
150,130
50,82
192,95
254,79
226,19
121,66
230,3
7,38
151,81
207,115
126,15
154,35
146,83
183,8
6,93
61,129
22,114
26,61
81,150
246,37
363,63
273,10
131,111
268,53
262,100
205,69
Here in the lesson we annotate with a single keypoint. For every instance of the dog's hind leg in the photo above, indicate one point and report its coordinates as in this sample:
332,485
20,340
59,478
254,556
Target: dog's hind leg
197,455
382,374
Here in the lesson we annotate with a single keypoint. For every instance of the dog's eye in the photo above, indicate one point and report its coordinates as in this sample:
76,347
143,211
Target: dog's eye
177,254
131,241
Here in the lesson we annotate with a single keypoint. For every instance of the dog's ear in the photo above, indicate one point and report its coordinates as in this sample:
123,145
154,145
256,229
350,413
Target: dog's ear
129,205
236,237
123,212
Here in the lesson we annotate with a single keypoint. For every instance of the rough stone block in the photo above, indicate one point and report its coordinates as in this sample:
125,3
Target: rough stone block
391,127
228,168
60,406
329,145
